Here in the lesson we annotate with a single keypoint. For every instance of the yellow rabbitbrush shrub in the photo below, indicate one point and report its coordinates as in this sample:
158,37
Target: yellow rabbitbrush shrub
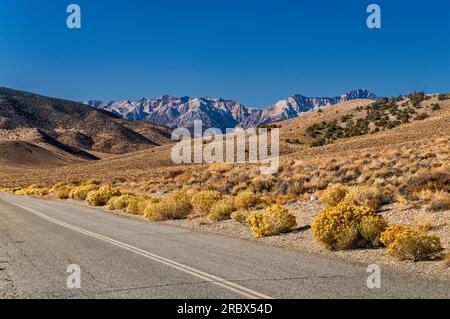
246,200
334,194
101,196
158,212
370,228
411,243
33,190
392,232
348,226
64,192
275,220
58,186
176,205
137,204
222,209
240,216
119,202
202,202
81,192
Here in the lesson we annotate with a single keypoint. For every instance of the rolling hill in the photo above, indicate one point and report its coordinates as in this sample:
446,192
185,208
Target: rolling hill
39,131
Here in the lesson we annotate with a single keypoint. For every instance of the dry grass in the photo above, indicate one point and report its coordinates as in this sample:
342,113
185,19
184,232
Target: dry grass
439,202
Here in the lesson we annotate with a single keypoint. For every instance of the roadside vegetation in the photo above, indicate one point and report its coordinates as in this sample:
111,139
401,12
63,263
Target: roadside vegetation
349,220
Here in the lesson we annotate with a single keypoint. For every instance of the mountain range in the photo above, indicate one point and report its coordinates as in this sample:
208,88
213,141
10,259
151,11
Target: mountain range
220,113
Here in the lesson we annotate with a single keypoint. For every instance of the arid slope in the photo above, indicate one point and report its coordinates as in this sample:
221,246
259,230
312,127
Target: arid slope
38,131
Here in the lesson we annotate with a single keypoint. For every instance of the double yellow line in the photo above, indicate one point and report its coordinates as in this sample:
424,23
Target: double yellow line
228,285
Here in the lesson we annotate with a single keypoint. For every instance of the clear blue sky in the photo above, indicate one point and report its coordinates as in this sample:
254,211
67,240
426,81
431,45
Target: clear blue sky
255,52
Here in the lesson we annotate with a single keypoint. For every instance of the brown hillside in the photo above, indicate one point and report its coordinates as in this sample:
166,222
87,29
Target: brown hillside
71,128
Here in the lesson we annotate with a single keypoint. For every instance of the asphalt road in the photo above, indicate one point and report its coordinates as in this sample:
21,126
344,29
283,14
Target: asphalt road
122,257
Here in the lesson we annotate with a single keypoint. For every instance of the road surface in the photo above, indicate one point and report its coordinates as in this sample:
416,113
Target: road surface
125,257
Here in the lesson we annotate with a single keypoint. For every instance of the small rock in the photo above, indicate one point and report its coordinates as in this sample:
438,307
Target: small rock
313,198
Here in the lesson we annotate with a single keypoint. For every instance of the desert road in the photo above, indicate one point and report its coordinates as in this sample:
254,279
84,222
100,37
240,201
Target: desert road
125,257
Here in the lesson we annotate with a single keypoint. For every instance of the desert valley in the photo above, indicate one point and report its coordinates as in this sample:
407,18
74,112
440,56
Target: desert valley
361,178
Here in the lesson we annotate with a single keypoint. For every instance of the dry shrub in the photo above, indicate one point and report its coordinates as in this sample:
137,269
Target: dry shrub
137,204
275,220
175,205
439,202
424,222
296,187
261,184
119,202
181,200
246,200
391,233
64,192
424,195
222,209
33,190
58,186
92,181
220,167
334,194
101,196
43,191
271,199
447,260
11,190
157,211
240,216
369,196
370,228
81,192
202,202
347,226
19,192
436,180
411,243
239,187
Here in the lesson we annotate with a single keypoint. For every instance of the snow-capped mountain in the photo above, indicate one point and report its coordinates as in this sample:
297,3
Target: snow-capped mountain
182,112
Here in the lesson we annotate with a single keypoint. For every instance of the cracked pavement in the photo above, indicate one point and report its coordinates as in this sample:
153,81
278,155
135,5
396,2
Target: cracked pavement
35,253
